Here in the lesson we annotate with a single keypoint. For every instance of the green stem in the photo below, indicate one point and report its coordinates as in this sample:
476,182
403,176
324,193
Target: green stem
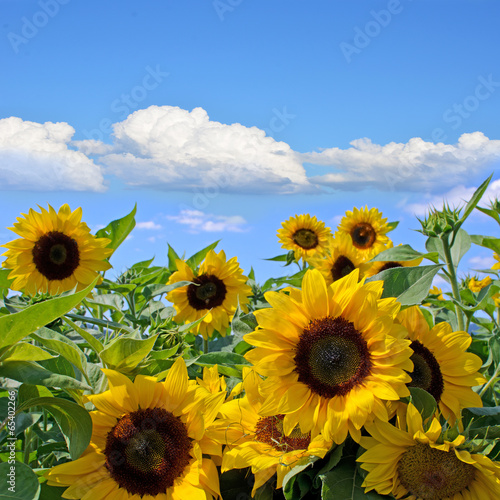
454,283
205,346
490,381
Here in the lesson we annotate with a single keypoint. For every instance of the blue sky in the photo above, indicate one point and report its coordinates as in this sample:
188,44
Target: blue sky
222,118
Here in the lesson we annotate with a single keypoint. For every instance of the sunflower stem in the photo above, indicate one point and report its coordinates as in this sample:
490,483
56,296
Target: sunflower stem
454,282
205,346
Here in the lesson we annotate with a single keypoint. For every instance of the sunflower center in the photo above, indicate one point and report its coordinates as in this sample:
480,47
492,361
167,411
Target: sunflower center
306,238
390,265
426,372
269,430
56,255
363,235
433,474
331,357
147,450
208,292
342,267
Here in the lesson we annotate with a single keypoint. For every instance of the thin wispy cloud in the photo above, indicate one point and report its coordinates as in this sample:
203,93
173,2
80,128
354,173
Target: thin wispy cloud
196,221
149,225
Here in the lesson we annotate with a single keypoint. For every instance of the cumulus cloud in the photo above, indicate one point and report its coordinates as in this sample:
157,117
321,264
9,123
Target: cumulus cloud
481,262
35,156
167,147
413,166
148,225
197,221
456,197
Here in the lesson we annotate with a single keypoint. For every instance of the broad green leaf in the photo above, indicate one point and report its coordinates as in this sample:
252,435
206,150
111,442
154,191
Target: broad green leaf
117,287
401,253
435,245
143,264
410,285
29,391
151,291
195,260
52,492
87,336
63,346
165,353
14,327
73,420
486,241
461,246
29,372
5,282
229,363
105,301
25,485
481,417
344,483
392,225
330,462
118,230
124,354
23,351
297,469
423,402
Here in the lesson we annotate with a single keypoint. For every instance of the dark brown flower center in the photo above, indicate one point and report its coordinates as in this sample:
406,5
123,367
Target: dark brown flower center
390,265
363,235
305,238
208,292
56,255
147,450
342,267
269,430
331,356
433,474
426,372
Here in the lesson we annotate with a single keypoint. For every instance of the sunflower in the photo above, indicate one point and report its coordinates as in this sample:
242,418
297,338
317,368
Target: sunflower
367,230
259,442
408,461
438,292
332,355
342,258
147,442
305,235
476,285
379,266
214,294
442,366
55,253
497,264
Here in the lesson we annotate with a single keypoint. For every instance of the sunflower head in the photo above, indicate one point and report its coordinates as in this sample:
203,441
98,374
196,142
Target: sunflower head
55,253
341,258
414,460
332,355
367,230
305,235
147,441
441,364
214,294
476,285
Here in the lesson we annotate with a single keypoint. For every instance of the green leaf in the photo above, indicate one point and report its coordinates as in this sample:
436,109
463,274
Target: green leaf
73,420
124,354
63,346
297,469
481,417
23,351
195,260
476,197
25,485
107,301
331,460
5,282
156,289
344,483
410,285
423,402
118,230
30,373
392,225
490,212
88,337
100,322
172,257
486,241
14,327
229,363
461,245
401,253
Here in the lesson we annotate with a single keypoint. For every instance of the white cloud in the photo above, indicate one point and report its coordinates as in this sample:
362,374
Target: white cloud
167,147
456,197
148,225
413,166
35,156
197,221
480,262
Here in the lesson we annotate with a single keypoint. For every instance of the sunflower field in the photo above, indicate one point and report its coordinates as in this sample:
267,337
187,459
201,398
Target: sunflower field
350,377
